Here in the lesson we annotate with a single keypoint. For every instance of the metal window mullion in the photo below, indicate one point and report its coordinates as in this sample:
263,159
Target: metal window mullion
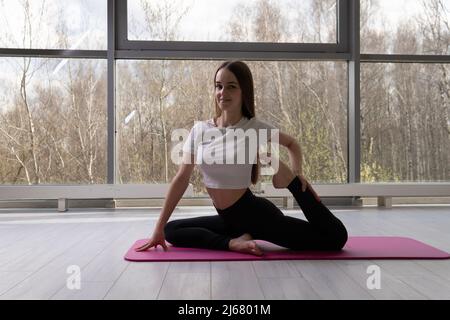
217,55
354,108
121,27
53,53
111,126
124,44
342,25
404,58
228,46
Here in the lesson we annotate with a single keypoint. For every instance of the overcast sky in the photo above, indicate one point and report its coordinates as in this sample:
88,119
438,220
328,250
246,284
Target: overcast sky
206,19
86,19
79,17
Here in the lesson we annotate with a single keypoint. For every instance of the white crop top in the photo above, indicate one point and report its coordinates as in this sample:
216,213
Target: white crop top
225,156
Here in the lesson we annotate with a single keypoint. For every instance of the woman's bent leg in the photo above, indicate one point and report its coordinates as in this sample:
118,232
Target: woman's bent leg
267,222
315,211
318,215
208,232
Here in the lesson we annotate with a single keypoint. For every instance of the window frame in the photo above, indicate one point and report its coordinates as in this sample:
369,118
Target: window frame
191,49
347,48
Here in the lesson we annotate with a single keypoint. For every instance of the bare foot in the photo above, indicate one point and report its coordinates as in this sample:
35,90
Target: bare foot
245,244
283,177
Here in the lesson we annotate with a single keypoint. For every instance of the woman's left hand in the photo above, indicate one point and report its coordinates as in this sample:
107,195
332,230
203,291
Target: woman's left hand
306,184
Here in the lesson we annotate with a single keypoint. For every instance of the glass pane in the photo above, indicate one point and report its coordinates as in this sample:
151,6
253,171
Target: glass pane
307,100
303,21
405,26
405,123
53,24
52,121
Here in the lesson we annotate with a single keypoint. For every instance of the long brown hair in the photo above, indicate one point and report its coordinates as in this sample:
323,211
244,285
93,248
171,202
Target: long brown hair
245,79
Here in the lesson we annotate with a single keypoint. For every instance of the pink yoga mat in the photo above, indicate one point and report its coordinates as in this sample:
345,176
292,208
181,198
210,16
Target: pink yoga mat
356,248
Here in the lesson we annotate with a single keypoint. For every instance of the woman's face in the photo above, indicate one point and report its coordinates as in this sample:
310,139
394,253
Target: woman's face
228,92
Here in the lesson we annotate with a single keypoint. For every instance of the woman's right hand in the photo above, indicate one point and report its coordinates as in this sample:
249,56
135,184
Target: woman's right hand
157,238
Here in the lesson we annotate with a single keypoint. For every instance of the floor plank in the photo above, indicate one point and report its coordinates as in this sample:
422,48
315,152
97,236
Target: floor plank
53,275
235,280
329,281
140,281
287,289
87,291
186,286
37,248
390,286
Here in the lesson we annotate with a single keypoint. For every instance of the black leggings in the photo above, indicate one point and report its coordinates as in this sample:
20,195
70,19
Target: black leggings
262,220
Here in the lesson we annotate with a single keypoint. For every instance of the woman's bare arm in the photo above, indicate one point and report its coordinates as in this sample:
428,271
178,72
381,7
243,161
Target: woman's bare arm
177,188
296,158
295,152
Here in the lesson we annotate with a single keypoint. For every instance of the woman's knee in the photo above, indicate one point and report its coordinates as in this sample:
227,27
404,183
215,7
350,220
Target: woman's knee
339,238
170,228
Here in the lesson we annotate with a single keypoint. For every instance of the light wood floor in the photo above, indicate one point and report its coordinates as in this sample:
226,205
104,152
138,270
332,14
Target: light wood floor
37,246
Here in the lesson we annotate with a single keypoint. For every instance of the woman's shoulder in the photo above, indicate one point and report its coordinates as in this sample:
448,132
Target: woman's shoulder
201,123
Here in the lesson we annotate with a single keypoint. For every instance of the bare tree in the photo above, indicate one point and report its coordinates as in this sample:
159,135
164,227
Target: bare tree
404,107
162,18
26,147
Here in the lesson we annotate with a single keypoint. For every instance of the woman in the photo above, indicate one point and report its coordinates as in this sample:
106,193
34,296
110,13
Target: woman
242,216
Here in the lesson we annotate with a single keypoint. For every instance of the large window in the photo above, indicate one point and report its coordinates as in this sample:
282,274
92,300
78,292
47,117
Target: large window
234,20
405,27
405,104
405,111
97,112
53,24
52,121
307,100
